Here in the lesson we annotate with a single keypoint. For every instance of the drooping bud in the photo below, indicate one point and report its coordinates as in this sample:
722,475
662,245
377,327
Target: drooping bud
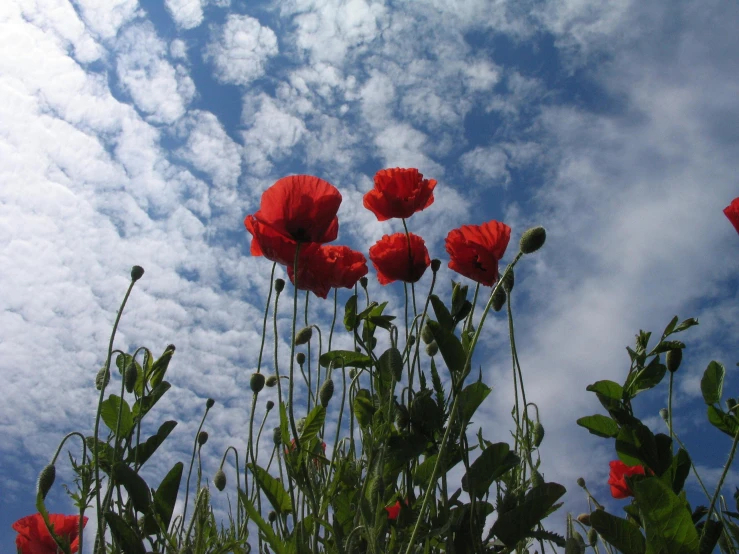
270,405
533,239
130,377
136,273
427,336
435,265
411,340
102,378
277,436
271,381
663,413
581,482
326,392
538,434
279,285
256,382
46,480
432,349
402,417
592,537
304,335
584,519
673,359
363,282
499,299
352,373
202,437
209,403
300,358
272,516
219,480
508,280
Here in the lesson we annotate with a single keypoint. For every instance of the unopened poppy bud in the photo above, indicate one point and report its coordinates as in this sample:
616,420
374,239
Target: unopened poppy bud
533,239
300,358
256,382
277,436
402,417
270,405
219,480
202,437
46,480
411,340
272,516
508,281
435,265
581,482
673,359
209,403
663,413
592,537
363,282
584,519
304,336
130,377
326,392
579,542
136,273
499,299
271,381
536,479
170,347
279,285
538,434
432,349
427,336
352,373
102,378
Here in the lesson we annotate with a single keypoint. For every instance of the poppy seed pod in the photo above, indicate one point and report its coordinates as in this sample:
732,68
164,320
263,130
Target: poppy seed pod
538,434
581,482
435,264
256,382
584,519
270,405
663,413
499,298
271,381
219,480
432,349
202,438
363,282
411,340
46,480
272,516
300,358
102,378
279,285
673,359
326,392
304,335
276,436
533,239
427,336
136,273
209,403
130,377
352,373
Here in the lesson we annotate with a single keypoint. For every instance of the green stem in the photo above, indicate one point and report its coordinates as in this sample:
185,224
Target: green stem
192,461
333,320
721,482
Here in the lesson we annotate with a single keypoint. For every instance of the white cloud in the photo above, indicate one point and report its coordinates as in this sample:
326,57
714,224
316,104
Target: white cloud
487,166
188,14
107,17
241,49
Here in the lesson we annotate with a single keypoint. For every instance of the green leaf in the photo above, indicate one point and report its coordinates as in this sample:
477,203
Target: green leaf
124,536
645,378
277,544
470,399
680,470
284,425
438,387
609,393
670,327
667,521
686,324
350,314
159,368
346,358
109,413
665,346
514,525
166,495
273,490
599,425
105,452
389,367
449,346
144,404
710,536
442,314
723,421
490,465
141,453
313,423
712,383
137,488
364,408
621,533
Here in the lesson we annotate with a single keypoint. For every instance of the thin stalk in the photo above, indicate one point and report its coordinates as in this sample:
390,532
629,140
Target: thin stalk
333,320
721,482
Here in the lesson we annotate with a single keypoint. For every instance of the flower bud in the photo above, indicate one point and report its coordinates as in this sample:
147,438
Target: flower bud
508,280
130,377
170,347
581,482
411,340
427,336
102,378
584,519
303,336
663,413
592,537
136,273
272,516
432,349
270,405
363,282
277,436
499,299
202,438
279,285
46,480
300,358
673,359
209,403
533,239
435,265
256,382
271,381
352,373
538,434
219,480
326,392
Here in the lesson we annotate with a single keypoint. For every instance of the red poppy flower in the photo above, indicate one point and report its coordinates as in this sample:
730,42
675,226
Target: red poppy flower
395,261
475,250
393,511
299,208
732,212
34,538
619,471
321,268
399,193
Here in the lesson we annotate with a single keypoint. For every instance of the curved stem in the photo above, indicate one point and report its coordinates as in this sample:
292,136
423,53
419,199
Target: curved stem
721,482
192,461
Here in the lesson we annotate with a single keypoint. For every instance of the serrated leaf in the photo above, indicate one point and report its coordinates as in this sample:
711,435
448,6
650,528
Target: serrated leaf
438,388
109,411
364,408
159,368
141,453
313,423
345,358
273,490
489,466
138,490
277,545
621,533
389,367
470,399
442,314
599,425
144,404
449,346
514,525
123,535
712,383
350,314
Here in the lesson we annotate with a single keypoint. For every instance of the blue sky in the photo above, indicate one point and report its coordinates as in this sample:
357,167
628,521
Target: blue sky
142,132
